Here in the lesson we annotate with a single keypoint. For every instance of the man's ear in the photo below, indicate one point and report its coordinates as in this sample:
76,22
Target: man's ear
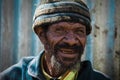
41,34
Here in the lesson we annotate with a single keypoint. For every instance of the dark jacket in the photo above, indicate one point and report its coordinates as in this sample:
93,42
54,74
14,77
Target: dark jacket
30,69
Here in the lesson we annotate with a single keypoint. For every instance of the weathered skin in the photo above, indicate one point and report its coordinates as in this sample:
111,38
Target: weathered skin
64,43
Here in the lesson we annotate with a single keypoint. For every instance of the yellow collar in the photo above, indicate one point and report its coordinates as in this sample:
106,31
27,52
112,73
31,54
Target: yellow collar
69,75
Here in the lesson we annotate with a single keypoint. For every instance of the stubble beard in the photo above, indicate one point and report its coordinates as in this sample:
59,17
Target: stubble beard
59,67
56,65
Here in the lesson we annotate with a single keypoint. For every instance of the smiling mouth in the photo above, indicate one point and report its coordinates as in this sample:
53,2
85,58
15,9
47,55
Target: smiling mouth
67,51
67,56
70,53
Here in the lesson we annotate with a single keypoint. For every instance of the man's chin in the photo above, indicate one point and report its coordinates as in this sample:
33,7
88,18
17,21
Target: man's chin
66,62
68,65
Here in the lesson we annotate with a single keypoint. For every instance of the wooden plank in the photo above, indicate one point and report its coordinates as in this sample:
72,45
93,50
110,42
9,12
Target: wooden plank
103,35
7,30
25,29
117,42
0,33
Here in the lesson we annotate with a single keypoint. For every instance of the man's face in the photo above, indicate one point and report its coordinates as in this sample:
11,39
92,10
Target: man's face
66,42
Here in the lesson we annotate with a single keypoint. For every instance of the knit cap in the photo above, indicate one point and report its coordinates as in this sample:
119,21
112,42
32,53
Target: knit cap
53,11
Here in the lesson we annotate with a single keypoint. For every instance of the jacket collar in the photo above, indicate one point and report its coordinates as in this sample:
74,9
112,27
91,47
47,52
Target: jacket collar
34,68
86,70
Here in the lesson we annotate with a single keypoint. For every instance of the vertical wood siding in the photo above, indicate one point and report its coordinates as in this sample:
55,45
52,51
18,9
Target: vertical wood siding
116,55
18,40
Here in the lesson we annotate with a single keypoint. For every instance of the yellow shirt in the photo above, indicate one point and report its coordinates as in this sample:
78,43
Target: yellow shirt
69,75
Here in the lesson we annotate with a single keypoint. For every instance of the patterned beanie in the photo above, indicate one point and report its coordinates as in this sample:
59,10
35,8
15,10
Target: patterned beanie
52,11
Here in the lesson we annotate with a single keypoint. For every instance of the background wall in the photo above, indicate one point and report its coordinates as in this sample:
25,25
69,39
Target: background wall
17,38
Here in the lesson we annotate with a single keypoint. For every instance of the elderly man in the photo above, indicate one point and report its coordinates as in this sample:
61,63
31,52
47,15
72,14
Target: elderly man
62,26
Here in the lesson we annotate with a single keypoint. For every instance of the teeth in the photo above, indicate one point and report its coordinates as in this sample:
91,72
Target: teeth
67,50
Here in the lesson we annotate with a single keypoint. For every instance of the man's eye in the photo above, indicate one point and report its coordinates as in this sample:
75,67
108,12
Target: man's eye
79,31
59,30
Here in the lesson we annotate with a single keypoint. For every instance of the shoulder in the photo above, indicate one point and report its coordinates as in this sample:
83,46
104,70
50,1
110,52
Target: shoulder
99,75
16,70
92,74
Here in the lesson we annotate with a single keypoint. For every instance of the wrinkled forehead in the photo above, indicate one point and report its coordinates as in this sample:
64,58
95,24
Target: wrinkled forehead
67,25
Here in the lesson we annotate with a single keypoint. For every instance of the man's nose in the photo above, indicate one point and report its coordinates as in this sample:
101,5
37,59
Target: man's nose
70,39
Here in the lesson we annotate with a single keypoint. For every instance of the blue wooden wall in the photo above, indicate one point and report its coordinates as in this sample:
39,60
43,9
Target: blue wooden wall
18,40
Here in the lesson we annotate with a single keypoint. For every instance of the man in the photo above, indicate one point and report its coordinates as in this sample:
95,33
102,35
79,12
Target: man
62,26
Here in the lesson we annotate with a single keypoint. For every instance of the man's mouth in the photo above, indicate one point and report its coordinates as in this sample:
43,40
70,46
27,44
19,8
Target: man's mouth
68,53
67,56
